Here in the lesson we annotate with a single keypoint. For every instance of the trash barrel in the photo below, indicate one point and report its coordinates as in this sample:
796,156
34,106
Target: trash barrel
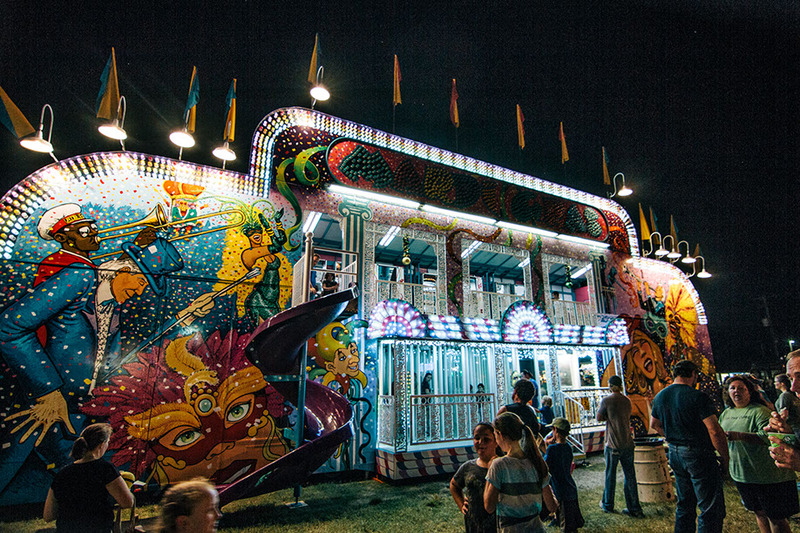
652,470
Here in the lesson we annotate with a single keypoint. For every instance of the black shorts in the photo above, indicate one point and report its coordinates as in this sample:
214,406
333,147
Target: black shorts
569,516
777,500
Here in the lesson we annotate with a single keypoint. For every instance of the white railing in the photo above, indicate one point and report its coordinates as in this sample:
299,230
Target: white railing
386,420
448,417
423,297
490,304
589,399
577,313
576,414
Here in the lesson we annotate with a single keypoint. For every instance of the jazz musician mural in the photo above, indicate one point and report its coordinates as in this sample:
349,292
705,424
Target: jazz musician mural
62,348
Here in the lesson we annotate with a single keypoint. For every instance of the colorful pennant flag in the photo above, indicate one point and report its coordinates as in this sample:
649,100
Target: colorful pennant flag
564,153
643,225
697,251
108,97
454,105
673,230
191,103
654,228
606,177
230,122
12,118
520,128
312,69
396,99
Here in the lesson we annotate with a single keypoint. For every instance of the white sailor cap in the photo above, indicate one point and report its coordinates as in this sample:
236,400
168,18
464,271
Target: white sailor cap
59,217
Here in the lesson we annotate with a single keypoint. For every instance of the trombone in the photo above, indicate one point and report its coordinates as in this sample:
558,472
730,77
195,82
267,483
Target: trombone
157,219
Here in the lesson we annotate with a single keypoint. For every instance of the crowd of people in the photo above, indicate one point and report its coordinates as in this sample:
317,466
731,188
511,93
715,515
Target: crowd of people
519,480
522,476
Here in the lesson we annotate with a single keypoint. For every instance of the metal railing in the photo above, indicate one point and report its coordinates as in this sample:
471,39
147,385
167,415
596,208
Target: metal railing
577,313
423,297
437,418
589,399
490,304
575,413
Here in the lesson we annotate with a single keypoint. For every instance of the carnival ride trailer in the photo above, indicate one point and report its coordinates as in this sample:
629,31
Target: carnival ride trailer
133,284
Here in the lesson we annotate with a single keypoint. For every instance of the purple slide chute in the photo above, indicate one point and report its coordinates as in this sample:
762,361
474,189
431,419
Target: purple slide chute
275,348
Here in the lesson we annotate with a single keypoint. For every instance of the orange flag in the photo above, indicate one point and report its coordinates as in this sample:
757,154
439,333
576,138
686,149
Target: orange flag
454,105
606,177
643,225
312,68
396,99
520,128
564,153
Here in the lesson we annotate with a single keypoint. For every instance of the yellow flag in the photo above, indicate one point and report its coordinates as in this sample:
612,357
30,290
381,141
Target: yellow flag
564,153
396,99
520,128
108,99
643,225
312,68
12,118
606,177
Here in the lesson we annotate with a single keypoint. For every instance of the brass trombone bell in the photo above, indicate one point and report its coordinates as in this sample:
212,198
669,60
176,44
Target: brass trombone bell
156,218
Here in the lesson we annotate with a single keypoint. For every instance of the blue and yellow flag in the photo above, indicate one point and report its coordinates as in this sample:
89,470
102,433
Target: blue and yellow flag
606,177
312,68
108,98
230,122
12,118
191,104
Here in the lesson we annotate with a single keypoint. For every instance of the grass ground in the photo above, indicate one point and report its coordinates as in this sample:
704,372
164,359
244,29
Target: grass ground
373,506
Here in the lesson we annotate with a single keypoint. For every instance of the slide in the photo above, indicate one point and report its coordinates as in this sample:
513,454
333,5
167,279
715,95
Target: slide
276,349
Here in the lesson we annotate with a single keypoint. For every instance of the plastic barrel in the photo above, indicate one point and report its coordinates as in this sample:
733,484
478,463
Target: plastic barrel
652,472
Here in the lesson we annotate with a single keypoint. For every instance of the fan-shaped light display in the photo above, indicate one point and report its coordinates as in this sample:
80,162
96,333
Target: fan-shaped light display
524,321
396,318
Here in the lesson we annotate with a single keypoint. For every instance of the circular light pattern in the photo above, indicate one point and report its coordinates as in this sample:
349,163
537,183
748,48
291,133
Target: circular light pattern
524,321
396,318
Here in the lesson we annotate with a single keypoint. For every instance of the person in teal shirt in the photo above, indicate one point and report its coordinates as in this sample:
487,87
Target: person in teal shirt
768,491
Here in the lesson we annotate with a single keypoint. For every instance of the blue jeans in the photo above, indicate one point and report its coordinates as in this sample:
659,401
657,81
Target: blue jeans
699,483
625,458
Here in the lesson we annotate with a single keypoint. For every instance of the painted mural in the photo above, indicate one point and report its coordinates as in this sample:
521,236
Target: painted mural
133,302
133,284
664,328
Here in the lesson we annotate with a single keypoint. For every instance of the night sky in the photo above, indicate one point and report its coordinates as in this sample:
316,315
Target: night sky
697,106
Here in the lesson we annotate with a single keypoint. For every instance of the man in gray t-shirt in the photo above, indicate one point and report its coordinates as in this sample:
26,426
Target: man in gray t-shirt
615,411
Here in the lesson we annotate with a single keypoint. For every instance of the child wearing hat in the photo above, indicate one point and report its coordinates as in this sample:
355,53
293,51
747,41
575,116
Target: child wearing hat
559,460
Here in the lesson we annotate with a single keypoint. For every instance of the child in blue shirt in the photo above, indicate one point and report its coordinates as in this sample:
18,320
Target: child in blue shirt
559,461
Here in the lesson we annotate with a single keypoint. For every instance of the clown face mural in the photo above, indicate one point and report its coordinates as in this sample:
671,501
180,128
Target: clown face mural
216,417
336,351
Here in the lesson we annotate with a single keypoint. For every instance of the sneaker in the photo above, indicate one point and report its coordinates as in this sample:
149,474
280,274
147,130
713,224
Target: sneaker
637,514
605,509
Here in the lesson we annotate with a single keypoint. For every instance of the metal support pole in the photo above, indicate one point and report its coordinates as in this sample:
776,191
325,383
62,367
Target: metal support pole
301,376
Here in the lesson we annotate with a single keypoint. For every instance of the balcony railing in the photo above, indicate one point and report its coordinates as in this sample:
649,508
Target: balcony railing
490,304
423,297
577,313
